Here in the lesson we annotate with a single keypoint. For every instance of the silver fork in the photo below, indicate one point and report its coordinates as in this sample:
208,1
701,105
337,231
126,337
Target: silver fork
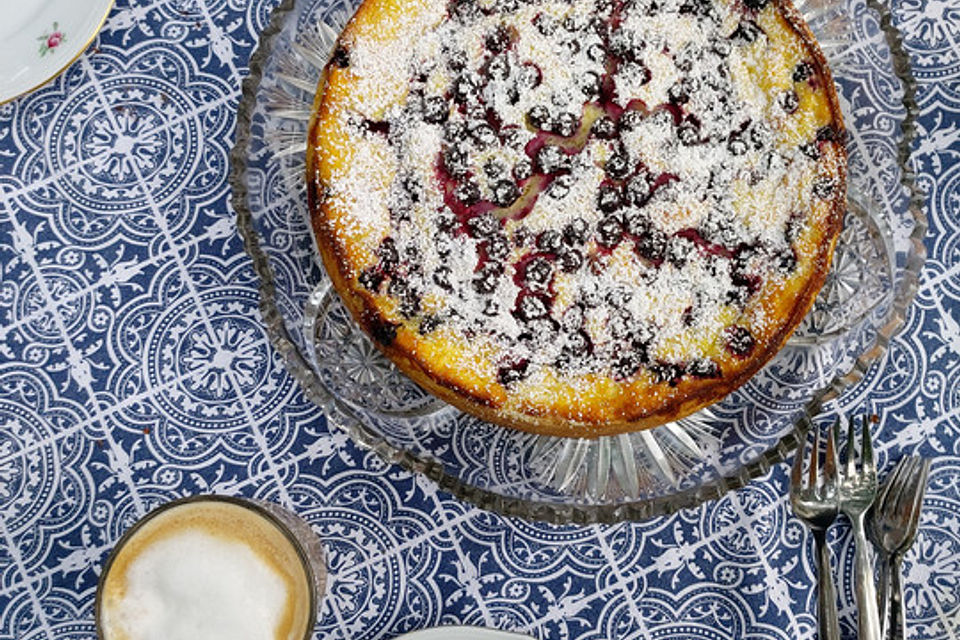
817,504
896,516
858,489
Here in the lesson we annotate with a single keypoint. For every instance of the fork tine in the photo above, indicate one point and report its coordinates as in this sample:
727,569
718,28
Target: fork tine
796,474
851,446
909,486
830,461
868,464
891,486
814,458
897,487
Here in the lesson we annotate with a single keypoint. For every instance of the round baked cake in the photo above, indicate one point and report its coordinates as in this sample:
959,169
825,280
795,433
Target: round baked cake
577,217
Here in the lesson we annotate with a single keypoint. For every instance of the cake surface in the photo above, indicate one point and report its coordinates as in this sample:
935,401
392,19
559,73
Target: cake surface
578,217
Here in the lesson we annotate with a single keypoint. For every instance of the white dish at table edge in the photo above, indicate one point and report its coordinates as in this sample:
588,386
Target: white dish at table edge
39,39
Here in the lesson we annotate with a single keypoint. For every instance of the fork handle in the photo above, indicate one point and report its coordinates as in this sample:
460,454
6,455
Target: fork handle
869,618
896,623
829,628
883,592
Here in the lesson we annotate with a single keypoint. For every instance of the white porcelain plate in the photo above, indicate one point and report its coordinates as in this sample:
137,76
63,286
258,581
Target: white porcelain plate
461,633
40,38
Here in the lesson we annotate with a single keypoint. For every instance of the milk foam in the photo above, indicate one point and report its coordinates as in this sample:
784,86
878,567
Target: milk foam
205,571
194,585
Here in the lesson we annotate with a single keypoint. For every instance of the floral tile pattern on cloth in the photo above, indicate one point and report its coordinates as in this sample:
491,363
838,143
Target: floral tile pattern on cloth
135,368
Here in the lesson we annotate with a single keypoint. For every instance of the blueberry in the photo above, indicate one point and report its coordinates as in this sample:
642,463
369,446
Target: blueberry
435,110
455,161
703,368
531,307
513,372
604,128
497,247
688,131
575,232
549,241
570,260
667,372
571,46
618,165
609,231
483,135
537,274
596,53
681,90
505,193
811,150
695,7
740,342
789,101
573,318
539,117
530,76
441,277
630,120
746,32
736,145
652,245
463,89
545,24
429,324
626,365
722,49
382,331
388,255
590,84
679,250
468,192
803,71
486,279
638,224
371,279
483,226
566,124
639,189
446,219
494,168
456,61
523,170
551,158
826,134
341,57
786,261
453,132
609,198
578,344
498,68
823,188
499,39
409,303
560,187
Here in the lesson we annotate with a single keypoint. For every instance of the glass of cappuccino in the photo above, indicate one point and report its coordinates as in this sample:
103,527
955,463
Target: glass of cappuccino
212,567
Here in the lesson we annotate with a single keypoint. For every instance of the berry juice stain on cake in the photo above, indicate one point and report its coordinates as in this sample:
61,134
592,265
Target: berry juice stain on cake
577,218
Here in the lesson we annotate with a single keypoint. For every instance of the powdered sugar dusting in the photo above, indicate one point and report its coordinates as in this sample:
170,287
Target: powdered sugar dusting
585,187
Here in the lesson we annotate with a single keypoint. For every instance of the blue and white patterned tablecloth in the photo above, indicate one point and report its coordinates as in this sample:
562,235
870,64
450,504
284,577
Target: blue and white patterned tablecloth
134,369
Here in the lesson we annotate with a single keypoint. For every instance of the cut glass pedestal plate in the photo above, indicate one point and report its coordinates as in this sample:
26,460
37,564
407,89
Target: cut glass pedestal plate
629,476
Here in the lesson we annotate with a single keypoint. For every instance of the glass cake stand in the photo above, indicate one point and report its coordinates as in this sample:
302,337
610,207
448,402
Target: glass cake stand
629,476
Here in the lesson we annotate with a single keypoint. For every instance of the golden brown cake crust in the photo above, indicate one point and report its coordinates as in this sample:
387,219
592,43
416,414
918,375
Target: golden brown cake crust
361,97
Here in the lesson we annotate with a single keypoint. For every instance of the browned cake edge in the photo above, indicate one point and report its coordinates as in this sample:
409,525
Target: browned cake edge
689,396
